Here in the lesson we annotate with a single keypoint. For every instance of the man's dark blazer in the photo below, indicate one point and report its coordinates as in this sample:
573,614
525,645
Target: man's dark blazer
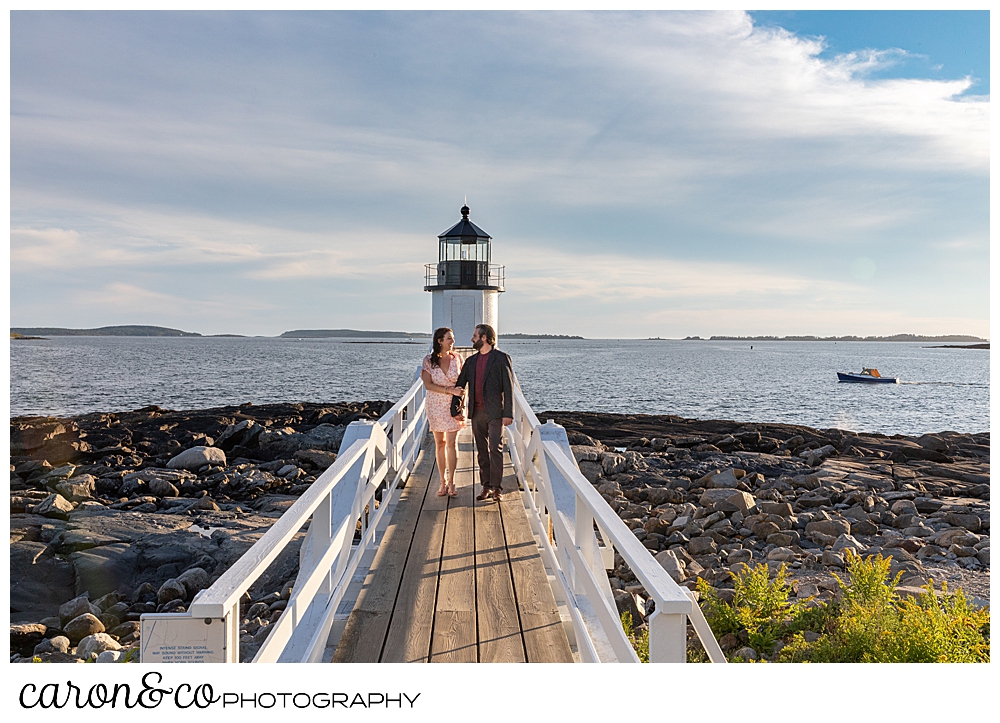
498,386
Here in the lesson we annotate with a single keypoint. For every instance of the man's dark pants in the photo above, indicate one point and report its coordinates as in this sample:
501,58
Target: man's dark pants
489,448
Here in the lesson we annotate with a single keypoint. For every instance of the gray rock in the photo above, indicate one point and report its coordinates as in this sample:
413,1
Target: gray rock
983,556
806,590
58,644
76,607
669,562
781,554
172,589
78,488
318,458
933,442
702,546
108,601
782,539
612,463
24,636
864,527
972,523
743,501
194,580
781,509
585,453
96,643
55,506
727,479
746,653
903,507
163,488
110,656
592,471
204,503
80,627
833,528
197,457
740,556
626,603
832,559
765,528
845,542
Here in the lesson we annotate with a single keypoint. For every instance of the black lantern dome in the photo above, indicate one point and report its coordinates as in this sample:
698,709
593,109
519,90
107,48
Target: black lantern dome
464,259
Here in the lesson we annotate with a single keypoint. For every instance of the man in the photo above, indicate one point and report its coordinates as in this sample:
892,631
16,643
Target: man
491,403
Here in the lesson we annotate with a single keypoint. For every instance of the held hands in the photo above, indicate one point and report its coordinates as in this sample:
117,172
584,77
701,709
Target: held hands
457,391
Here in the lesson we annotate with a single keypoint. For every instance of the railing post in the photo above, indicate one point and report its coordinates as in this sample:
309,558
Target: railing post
667,637
583,536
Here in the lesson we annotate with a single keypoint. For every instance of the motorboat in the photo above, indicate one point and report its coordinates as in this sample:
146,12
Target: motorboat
870,376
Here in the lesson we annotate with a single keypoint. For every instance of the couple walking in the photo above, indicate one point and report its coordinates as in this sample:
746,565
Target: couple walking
488,375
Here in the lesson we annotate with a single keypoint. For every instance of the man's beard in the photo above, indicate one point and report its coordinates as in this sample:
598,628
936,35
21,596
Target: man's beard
477,344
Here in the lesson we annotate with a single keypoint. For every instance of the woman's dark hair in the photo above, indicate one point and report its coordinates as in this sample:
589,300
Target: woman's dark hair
436,353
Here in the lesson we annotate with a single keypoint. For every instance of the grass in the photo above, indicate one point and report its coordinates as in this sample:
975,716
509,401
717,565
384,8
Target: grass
870,623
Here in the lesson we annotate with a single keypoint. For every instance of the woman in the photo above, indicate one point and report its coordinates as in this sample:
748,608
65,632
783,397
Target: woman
439,374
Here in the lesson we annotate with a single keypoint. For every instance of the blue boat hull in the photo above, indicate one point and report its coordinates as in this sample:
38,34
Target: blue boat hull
866,379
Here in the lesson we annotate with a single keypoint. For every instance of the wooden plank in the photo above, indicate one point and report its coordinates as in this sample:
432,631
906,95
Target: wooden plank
545,638
408,639
500,639
366,628
454,638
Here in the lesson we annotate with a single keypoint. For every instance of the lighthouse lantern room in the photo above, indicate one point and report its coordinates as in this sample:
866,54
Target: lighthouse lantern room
463,283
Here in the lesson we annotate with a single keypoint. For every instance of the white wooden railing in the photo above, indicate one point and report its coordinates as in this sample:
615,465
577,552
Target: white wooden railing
374,457
563,508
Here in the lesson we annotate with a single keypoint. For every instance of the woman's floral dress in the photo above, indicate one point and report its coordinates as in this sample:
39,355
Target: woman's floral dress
438,404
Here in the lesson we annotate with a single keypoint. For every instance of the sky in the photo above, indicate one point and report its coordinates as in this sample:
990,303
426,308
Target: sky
641,173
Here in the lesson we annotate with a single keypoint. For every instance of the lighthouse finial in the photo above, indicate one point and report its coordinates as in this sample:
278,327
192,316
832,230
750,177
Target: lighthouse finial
465,208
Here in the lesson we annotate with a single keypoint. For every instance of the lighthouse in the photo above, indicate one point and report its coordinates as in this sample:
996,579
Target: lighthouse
464,284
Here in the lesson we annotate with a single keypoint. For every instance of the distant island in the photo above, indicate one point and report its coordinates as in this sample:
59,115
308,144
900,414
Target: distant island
539,336
894,337
962,346
352,333
129,330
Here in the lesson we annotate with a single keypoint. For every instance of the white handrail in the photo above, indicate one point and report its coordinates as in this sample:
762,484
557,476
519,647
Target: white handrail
564,508
373,457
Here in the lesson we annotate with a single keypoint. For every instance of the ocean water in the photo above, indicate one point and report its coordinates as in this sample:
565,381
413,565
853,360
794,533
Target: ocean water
787,382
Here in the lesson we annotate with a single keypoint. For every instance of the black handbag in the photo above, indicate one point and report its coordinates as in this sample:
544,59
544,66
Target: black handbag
457,405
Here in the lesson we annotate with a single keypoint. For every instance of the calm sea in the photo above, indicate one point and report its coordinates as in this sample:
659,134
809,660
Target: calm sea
789,382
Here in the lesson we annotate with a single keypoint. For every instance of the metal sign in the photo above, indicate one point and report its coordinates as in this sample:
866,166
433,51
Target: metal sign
180,638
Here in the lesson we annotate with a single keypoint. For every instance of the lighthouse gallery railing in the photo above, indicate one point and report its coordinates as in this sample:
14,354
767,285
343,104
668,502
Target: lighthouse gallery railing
563,509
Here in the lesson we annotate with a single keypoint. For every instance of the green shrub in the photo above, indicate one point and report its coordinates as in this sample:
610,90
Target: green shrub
760,607
872,624
640,640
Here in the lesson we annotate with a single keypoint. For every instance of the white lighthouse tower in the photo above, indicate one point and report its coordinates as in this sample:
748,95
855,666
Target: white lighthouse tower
463,284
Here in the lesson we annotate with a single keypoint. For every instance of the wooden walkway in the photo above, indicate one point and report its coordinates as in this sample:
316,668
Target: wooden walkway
455,580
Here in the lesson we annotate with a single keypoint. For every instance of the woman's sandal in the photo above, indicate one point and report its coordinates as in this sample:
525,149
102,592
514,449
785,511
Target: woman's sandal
452,492
443,490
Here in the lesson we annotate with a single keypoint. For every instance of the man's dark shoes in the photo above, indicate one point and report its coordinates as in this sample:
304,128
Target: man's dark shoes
484,494
496,495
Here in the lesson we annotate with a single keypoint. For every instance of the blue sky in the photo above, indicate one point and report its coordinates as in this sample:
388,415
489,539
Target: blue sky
642,174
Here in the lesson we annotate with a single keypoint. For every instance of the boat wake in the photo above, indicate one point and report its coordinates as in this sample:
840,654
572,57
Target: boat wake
949,384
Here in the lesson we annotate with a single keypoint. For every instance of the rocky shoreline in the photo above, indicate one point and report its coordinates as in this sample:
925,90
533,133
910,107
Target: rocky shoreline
708,497
115,515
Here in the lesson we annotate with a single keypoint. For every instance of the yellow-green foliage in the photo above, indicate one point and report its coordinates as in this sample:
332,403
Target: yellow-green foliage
870,623
640,641
874,625
760,607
